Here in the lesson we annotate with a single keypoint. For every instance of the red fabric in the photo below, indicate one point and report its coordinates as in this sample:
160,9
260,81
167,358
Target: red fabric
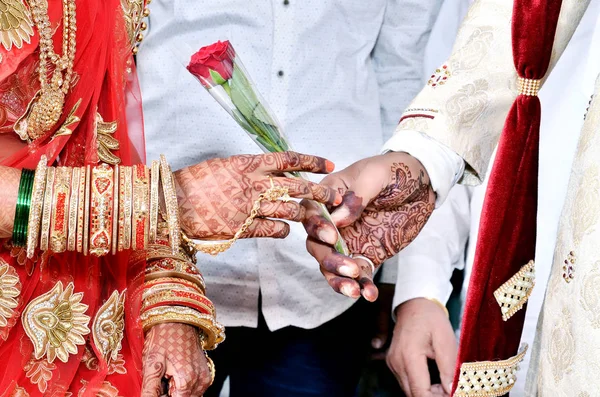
106,83
507,233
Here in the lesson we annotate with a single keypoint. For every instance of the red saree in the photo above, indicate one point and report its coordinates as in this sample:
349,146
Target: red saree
106,85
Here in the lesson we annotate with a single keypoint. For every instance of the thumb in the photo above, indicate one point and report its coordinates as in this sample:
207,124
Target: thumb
353,204
446,351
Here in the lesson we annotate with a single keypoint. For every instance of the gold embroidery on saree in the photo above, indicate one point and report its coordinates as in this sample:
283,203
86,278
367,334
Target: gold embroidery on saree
55,322
72,118
16,26
109,325
106,140
39,372
10,290
134,12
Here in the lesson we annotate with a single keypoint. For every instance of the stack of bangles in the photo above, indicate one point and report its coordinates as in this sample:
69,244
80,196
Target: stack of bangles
102,209
94,210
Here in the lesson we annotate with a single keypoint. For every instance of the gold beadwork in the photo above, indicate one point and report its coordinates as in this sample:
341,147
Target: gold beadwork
56,323
46,107
489,378
37,203
569,267
528,87
274,193
108,326
15,24
513,294
101,210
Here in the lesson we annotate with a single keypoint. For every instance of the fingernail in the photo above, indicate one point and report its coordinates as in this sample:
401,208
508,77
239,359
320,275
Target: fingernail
327,235
348,271
329,166
347,290
377,343
338,199
340,214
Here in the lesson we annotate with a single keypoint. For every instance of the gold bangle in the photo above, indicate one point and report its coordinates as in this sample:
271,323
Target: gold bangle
73,203
101,209
169,267
37,202
60,209
139,240
170,195
115,212
154,184
86,215
125,203
211,365
440,304
214,332
81,200
47,211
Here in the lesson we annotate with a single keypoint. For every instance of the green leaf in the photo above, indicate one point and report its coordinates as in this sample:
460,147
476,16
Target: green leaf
217,78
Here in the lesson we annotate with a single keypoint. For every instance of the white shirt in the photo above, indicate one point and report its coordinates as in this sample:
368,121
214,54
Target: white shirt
337,75
564,96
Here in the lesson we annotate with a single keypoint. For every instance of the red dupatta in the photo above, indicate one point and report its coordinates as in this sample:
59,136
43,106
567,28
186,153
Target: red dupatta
106,83
507,235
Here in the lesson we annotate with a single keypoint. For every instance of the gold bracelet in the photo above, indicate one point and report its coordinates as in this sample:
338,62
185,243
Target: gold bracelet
139,240
154,184
60,209
170,195
86,214
37,202
101,209
73,203
47,211
115,211
125,204
210,363
440,304
81,197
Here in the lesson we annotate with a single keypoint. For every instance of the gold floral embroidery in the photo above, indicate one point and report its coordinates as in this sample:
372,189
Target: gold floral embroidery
39,373
106,140
562,346
10,289
117,366
108,326
72,118
19,392
106,390
89,359
16,26
489,378
55,322
134,12
513,294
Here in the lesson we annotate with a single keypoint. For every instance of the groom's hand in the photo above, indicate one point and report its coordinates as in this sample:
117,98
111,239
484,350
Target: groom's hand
387,200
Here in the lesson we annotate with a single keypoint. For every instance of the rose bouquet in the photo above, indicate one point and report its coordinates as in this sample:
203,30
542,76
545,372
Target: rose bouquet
221,72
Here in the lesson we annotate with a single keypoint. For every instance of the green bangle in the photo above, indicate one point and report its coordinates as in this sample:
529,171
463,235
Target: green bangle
22,211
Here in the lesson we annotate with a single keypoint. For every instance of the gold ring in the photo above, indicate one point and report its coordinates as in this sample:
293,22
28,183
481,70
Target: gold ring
275,193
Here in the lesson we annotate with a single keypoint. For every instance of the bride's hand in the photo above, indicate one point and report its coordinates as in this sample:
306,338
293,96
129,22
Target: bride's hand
216,196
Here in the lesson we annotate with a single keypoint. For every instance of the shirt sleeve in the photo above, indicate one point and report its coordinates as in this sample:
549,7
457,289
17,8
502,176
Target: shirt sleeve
426,265
398,55
465,102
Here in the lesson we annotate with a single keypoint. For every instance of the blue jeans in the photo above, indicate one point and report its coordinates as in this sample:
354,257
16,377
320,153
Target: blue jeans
294,362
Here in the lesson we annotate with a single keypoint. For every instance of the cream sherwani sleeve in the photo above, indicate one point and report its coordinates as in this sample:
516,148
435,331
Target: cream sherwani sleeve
464,105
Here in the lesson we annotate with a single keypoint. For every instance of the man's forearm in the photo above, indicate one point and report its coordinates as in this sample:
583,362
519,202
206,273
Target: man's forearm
9,187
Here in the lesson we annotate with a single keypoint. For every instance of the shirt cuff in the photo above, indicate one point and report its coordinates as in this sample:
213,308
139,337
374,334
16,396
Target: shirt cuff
443,165
425,281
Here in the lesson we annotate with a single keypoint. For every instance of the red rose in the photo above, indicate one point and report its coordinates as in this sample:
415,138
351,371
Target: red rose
217,57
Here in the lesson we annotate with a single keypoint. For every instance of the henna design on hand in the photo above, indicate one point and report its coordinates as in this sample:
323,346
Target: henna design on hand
394,218
173,351
216,196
